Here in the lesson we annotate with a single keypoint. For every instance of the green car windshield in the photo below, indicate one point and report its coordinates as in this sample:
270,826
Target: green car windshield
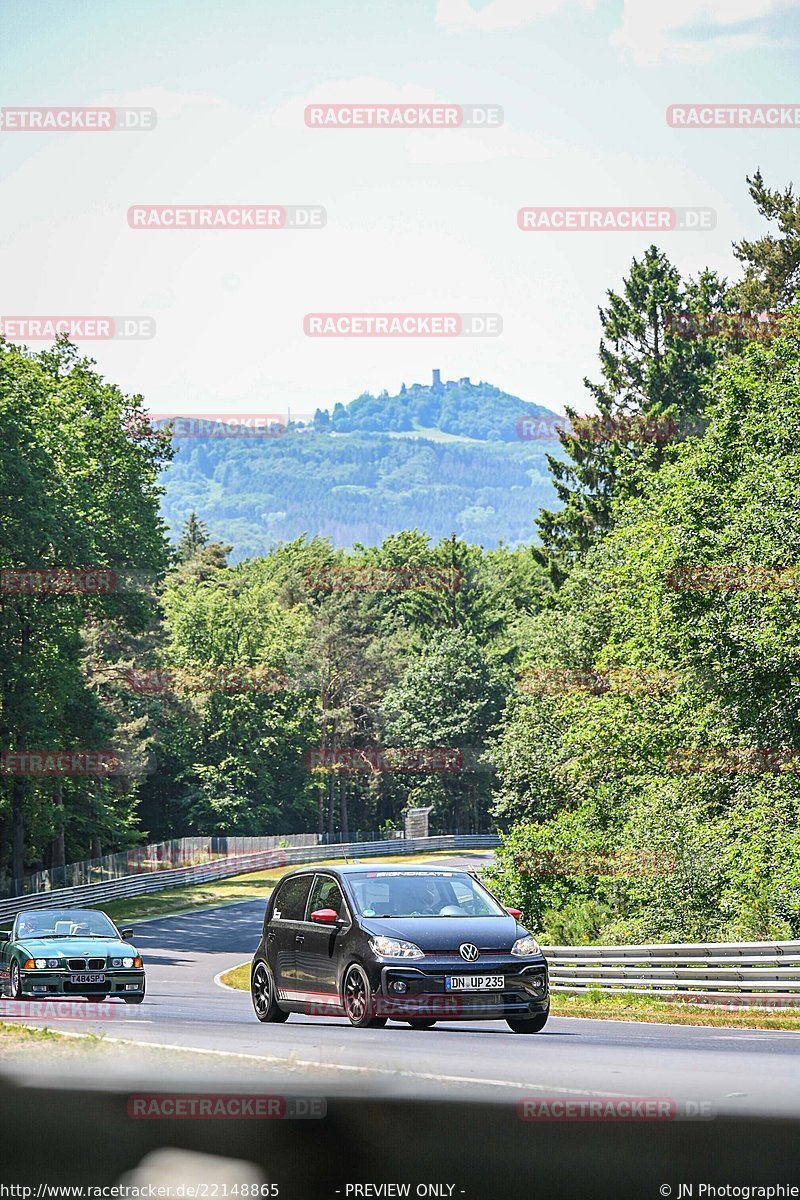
64,922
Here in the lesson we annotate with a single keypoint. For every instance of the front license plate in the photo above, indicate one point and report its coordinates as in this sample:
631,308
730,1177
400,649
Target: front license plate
473,983
94,977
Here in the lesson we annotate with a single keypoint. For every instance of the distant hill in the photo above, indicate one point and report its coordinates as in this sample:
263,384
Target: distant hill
479,411
449,457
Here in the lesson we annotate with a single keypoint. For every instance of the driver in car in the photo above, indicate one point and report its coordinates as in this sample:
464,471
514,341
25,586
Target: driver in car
426,898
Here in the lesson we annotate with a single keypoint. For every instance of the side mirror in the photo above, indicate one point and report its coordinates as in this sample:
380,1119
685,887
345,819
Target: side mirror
5,935
325,916
516,913
127,934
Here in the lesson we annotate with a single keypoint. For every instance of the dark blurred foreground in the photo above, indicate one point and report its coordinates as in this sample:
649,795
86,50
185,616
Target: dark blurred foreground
84,1134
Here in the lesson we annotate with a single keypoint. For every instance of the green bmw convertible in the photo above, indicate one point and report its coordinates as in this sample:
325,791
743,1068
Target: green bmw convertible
69,952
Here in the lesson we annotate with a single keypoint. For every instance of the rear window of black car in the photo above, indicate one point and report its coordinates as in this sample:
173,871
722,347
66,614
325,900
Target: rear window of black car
290,902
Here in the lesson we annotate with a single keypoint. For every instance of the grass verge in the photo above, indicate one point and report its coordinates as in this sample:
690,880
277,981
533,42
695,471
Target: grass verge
238,978
607,1007
40,1042
604,1007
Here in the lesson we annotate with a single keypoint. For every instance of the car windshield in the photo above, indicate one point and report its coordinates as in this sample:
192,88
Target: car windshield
422,894
65,922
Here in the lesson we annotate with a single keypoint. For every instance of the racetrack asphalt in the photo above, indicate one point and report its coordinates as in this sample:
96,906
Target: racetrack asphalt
723,1070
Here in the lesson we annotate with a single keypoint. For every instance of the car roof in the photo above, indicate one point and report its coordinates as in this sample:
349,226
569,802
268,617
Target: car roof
377,865
29,912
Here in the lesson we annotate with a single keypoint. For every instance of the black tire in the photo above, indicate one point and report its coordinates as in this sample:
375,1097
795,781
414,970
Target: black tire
15,986
528,1024
133,999
262,993
422,1022
358,1000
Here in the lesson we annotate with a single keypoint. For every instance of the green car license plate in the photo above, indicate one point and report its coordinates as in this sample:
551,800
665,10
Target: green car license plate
89,977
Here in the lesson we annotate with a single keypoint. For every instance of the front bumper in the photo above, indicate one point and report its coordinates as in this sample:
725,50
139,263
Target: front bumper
525,991
116,982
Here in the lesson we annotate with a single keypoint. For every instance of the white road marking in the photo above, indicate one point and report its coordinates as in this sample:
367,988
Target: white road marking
766,1035
428,1076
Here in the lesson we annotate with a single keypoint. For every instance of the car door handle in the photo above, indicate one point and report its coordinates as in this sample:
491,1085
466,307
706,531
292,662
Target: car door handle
271,936
299,937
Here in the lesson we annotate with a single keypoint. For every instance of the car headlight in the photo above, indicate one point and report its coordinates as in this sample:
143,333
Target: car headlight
41,964
526,947
53,962
386,947
127,962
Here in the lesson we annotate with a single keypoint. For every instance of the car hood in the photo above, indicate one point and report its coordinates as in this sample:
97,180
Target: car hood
433,934
76,947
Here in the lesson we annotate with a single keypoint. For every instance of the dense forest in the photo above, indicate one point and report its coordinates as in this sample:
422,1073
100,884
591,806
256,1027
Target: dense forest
619,695
447,457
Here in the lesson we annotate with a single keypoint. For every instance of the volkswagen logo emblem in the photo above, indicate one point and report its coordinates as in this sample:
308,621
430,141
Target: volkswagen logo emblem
468,951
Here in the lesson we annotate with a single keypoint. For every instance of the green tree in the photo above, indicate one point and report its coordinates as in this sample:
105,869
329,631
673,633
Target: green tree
652,394
450,696
700,668
772,263
194,537
78,490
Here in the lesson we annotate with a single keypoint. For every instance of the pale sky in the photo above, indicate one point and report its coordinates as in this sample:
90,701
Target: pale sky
417,221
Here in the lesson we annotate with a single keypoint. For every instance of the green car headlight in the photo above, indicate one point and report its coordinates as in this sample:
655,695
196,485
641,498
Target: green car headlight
117,962
127,962
41,964
52,962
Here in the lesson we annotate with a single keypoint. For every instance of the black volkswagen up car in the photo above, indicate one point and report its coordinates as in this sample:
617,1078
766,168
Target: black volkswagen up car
374,943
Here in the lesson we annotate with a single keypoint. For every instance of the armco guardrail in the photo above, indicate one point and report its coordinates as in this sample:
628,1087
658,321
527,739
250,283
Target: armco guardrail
91,894
720,972
155,856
